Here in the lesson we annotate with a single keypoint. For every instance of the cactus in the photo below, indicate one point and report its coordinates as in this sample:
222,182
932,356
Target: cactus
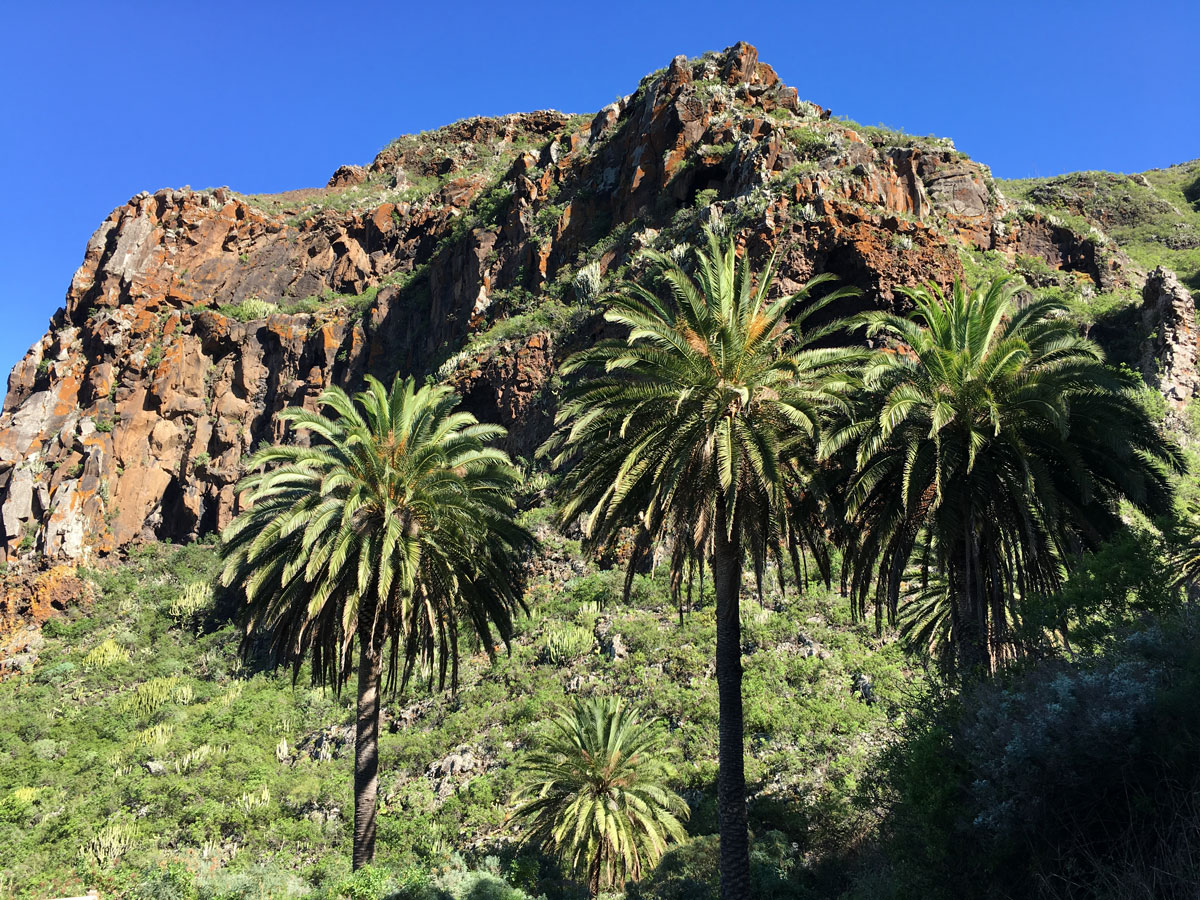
230,696
156,735
252,800
587,283
194,598
560,645
112,841
106,653
193,759
149,696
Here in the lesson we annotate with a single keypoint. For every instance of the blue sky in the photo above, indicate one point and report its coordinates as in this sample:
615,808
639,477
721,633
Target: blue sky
102,100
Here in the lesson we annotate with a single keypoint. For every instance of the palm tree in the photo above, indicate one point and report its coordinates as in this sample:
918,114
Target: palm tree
997,441
394,526
697,428
594,794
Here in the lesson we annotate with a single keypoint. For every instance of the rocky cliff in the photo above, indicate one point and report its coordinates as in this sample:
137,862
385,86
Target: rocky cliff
476,253
1170,351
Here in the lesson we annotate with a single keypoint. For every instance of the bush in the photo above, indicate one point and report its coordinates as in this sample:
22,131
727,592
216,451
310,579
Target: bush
688,872
1069,767
171,881
367,883
248,310
692,872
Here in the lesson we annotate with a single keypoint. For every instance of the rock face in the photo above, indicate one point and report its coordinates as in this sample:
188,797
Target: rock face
27,600
196,316
1170,351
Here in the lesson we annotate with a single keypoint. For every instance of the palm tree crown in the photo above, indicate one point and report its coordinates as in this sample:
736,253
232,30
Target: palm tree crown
394,525
399,511
594,794
997,440
693,426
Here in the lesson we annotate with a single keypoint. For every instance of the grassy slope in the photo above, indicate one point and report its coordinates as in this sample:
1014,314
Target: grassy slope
259,813
1156,222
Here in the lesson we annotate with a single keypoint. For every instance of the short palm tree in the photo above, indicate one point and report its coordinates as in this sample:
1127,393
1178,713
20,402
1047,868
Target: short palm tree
698,428
394,526
996,439
595,794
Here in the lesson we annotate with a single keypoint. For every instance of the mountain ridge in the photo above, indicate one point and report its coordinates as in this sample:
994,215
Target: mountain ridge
475,253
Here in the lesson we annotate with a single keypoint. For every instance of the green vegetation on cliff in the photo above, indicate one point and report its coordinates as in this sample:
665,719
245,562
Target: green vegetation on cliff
1153,216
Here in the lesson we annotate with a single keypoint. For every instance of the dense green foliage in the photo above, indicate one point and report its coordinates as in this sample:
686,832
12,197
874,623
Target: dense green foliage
255,791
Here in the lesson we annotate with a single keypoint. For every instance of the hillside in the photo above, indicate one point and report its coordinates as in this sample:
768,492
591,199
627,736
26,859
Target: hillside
145,756
477,253
1153,216
139,737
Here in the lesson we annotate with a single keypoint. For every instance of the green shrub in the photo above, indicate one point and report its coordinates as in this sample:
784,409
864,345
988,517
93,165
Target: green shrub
367,883
28,536
171,881
1086,769
248,310
45,749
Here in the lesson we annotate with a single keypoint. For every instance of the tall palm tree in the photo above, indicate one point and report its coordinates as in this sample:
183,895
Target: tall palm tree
392,527
697,428
996,439
594,794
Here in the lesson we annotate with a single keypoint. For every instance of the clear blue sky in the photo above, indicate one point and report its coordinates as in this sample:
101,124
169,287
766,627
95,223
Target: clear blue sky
102,100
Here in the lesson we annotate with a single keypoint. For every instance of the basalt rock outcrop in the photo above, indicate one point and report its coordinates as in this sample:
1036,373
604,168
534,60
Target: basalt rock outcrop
1170,351
476,253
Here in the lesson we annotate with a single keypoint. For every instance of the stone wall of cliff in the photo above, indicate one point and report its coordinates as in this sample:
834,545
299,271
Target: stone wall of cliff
1170,352
196,316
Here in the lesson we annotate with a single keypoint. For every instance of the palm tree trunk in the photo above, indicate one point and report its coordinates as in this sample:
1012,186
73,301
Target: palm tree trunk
366,753
594,873
731,773
973,638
